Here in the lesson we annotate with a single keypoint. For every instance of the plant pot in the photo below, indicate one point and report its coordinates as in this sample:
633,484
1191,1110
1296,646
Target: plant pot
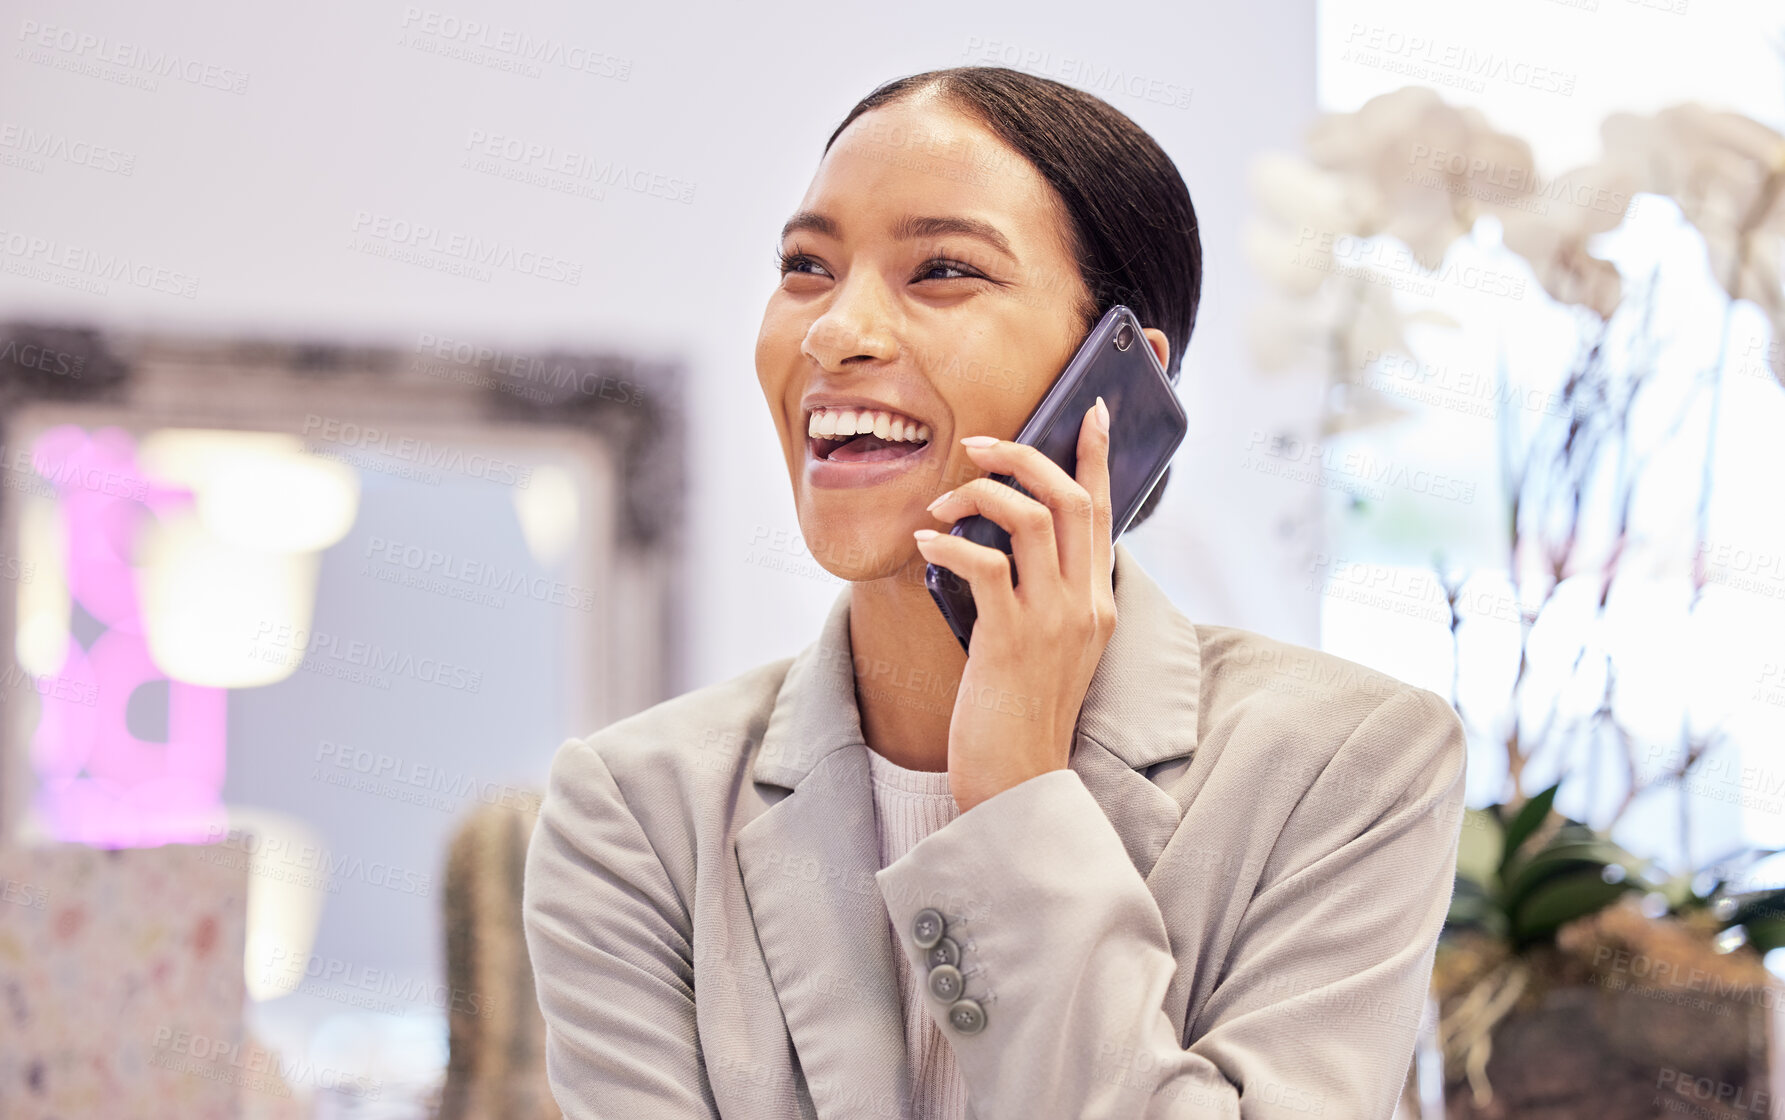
1624,1018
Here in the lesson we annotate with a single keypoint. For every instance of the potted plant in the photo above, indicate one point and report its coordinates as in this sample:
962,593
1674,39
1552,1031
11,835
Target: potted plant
1574,978
1572,984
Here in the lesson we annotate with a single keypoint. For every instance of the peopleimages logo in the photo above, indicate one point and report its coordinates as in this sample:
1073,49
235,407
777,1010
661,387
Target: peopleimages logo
16,893
28,356
412,449
466,247
1454,64
94,266
377,989
321,651
538,162
79,48
1359,465
34,147
306,864
431,564
414,782
252,1066
518,373
1518,179
505,48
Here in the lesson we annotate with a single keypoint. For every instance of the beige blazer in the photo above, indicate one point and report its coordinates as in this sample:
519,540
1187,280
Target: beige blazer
1226,907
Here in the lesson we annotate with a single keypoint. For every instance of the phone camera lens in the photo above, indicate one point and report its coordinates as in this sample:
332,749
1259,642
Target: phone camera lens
1124,336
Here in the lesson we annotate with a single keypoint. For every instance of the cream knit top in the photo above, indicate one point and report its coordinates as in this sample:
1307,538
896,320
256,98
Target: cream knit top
908,806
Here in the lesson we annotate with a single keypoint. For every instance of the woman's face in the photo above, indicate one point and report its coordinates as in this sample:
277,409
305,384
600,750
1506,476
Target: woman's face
927,275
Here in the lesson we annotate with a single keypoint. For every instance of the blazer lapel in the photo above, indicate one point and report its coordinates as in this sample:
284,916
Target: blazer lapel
808,861
1140,710
808,865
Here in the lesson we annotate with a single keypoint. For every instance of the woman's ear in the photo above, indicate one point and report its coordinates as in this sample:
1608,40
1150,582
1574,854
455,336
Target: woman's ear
1161,345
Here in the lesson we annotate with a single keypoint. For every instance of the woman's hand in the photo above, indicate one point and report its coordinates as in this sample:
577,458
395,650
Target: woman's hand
1034,646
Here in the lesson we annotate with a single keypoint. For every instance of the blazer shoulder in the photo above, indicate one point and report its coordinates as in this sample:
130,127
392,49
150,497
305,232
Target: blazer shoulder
1287,693
703,729
654,787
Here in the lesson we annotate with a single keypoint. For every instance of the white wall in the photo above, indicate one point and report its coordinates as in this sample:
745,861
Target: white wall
353,108
1550,71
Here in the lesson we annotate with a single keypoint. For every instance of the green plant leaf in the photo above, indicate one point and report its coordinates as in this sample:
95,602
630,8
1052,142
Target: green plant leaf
1766,934
1563,899
1529,816
1469,905
1556,859
1478,851
1680,895
1473,908
1759,906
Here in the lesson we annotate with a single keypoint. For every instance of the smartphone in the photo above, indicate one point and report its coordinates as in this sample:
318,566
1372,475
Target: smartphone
1146,425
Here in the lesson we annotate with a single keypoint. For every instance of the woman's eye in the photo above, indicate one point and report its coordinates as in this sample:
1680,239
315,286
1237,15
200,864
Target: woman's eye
797,262
960,271
787,263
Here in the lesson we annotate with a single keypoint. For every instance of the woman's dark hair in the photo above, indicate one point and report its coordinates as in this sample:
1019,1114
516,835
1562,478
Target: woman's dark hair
1132,226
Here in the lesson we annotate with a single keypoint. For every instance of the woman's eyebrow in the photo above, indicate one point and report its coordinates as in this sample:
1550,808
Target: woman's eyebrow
914,228
909,228
813,221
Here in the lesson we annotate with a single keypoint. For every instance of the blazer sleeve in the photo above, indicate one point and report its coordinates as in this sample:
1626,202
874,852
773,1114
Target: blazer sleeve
1318,1004
611,945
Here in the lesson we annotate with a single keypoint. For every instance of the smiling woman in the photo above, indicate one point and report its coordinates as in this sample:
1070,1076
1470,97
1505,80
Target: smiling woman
1114,863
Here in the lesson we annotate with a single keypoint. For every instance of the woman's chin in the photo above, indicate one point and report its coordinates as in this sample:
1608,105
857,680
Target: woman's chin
859,557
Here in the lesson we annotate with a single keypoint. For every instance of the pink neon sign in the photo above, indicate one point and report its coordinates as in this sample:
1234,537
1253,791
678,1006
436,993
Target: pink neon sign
98,782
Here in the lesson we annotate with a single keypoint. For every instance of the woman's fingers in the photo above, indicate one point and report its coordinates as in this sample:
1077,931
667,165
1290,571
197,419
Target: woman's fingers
986,570
1072,503
1093,475
1029,523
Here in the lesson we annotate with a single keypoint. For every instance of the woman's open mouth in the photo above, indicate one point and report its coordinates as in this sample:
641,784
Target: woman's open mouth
861,449
854,447
846,435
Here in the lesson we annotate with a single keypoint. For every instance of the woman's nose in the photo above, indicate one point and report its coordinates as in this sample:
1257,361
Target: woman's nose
857,324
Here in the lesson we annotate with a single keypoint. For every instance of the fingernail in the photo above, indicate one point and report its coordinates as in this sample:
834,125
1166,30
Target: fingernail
938,501
924,534
1102,414
980,441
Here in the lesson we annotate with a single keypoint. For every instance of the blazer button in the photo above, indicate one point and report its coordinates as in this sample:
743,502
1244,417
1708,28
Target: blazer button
944,951
946,982
927,929
966,1016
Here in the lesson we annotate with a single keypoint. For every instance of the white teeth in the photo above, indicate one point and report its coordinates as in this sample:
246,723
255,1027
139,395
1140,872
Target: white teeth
838,423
